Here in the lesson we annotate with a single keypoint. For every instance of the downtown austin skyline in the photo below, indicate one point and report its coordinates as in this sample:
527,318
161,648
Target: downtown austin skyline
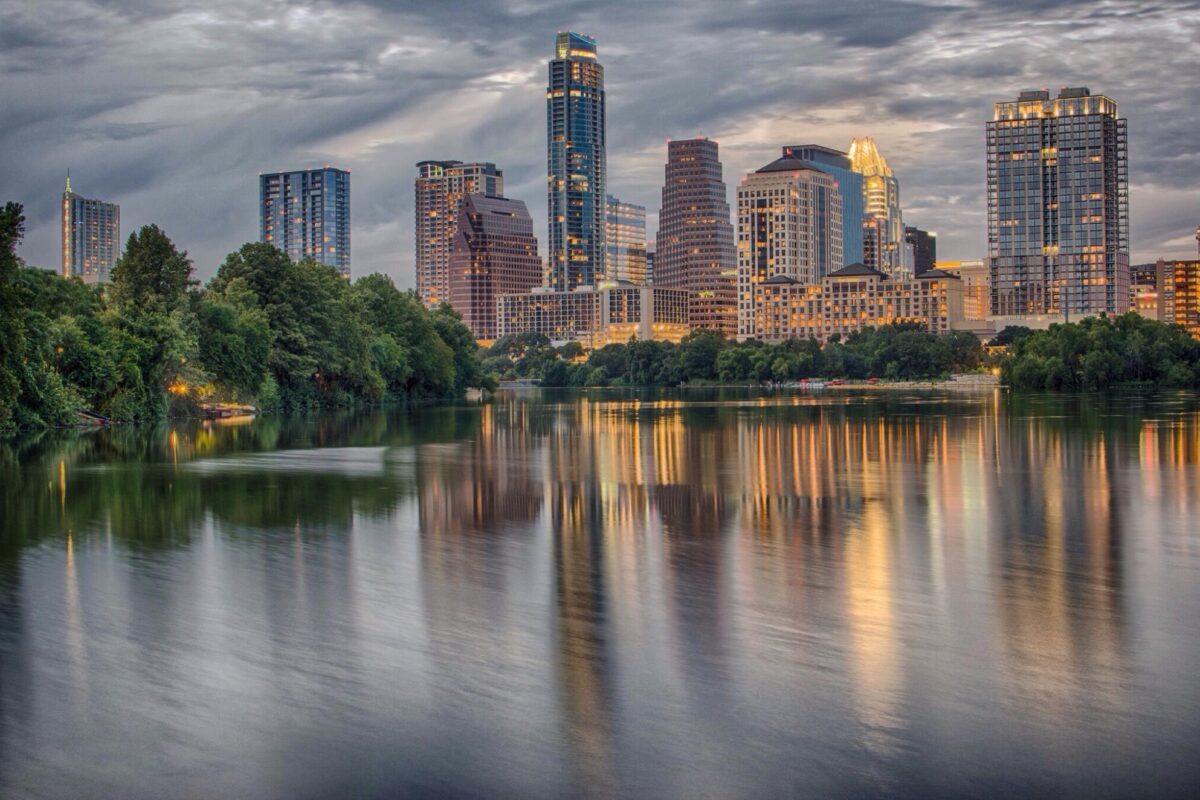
178,134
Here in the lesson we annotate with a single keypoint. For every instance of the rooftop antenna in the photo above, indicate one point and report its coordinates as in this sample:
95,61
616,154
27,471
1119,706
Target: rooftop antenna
68,189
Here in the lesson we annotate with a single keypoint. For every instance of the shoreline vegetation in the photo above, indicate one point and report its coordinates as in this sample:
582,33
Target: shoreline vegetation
265,331
286,336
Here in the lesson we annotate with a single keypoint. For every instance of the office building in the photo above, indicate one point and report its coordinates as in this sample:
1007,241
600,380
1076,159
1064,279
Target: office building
850,184
494,252
1058,205
923,247
789,224
91,237
695,244
440,188
852,299
575,160
882,218
306,214
625,240
596,315
973,276
1178,284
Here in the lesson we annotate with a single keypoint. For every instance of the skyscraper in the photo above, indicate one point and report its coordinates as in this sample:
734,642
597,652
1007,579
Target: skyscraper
440,189
924,248
1058,205
575,163
789,225
494,252
695,245
306,214
91,237
625,240
881,201
850,184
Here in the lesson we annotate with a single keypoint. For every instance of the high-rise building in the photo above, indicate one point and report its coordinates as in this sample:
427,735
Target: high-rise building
850,184
881,204
91,237
440,189
575,163
1058,205
306,214
494,252
695,244
789,224
625,238
924,248
650,257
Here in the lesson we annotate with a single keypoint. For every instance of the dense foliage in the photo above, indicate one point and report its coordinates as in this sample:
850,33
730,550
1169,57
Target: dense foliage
1099,352
896,352
266,330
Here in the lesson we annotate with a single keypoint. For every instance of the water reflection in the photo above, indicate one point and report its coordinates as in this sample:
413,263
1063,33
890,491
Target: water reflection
652,593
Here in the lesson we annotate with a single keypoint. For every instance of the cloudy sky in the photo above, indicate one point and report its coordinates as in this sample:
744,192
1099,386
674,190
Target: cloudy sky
173,108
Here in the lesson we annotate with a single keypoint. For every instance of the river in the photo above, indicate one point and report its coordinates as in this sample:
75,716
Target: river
712,593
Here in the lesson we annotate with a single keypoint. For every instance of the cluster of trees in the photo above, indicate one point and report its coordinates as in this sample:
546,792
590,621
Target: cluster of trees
897,352
1102,352
266,330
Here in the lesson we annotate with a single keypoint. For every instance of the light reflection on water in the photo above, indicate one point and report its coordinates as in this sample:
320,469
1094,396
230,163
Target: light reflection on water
701,594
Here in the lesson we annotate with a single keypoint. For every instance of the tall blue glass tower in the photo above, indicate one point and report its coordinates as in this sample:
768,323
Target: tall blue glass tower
850,183
575,164
306,214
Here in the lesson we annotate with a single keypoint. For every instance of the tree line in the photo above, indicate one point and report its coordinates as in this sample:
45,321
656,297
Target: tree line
899,352
1101,353
265,330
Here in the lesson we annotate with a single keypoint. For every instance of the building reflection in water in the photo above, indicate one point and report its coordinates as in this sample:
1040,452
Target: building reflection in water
617,568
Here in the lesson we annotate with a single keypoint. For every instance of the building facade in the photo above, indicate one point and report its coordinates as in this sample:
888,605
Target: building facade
973,276
91,237
440,188
882,218
306,214
923,245
1179,294
1058,205
695,248
789,224
852,299
596,315
576,170
494,252
625,240
850,184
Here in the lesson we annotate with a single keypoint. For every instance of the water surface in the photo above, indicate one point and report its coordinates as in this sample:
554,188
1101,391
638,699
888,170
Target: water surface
705,594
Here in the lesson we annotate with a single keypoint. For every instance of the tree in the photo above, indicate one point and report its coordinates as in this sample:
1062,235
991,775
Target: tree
151,272
12,333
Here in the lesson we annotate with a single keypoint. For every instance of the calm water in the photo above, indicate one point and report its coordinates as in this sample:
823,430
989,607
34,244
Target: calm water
670,595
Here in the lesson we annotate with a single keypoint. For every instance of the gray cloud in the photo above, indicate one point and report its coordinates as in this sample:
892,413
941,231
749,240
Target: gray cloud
172,108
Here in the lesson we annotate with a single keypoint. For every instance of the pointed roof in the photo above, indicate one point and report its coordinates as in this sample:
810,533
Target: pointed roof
866,159
789,164
937,273
856,270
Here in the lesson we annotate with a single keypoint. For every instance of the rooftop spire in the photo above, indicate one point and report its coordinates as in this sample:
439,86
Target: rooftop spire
68,189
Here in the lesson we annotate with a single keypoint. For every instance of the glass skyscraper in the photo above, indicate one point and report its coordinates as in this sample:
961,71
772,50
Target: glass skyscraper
575,164
625,238
882,218
306,214
1058,205
91,237
850,184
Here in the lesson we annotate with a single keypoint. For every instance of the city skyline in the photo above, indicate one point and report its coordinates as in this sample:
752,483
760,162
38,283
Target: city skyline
188,134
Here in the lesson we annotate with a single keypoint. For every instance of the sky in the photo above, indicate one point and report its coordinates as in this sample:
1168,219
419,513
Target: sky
172,109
